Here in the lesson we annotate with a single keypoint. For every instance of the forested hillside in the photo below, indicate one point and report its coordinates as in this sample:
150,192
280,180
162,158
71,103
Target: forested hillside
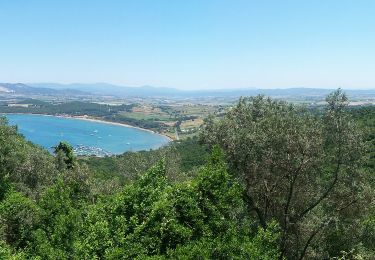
268,180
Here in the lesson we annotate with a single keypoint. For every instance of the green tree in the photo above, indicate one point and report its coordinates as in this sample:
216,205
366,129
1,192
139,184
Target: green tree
60,218
156,217
6,252
65,156
27,166
18,217
299,168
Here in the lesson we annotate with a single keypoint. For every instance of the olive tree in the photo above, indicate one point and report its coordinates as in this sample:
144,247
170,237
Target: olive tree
297,167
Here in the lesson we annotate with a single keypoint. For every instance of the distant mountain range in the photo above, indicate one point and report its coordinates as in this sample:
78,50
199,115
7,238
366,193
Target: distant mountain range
23,89
149,91
105,89
112,90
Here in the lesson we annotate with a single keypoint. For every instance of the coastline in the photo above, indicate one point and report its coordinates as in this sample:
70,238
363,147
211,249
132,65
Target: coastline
93,119
97,120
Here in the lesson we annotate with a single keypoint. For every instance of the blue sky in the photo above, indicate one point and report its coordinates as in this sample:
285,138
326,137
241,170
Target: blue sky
190,44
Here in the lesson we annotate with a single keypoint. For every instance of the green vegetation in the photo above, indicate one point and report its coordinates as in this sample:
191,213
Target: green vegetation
366,120
64,155
163,119
76,108
184,157
151,115
268,180
143,123
300,169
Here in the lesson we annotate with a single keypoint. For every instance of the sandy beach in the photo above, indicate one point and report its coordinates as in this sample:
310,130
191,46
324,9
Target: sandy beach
93,119
97,120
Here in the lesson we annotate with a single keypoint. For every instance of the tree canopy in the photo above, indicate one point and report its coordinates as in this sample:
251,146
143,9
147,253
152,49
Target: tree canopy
300,168
268,180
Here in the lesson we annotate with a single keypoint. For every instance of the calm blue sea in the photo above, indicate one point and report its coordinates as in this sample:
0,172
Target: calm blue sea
48,131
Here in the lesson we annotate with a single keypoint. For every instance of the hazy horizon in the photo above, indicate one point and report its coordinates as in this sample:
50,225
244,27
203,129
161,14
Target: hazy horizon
193,45
194,89
186,89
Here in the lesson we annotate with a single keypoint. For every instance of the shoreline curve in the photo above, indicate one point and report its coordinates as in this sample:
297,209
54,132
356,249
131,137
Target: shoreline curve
93,119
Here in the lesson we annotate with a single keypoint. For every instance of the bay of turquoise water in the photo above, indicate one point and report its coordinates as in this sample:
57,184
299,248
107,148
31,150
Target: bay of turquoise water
85,136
